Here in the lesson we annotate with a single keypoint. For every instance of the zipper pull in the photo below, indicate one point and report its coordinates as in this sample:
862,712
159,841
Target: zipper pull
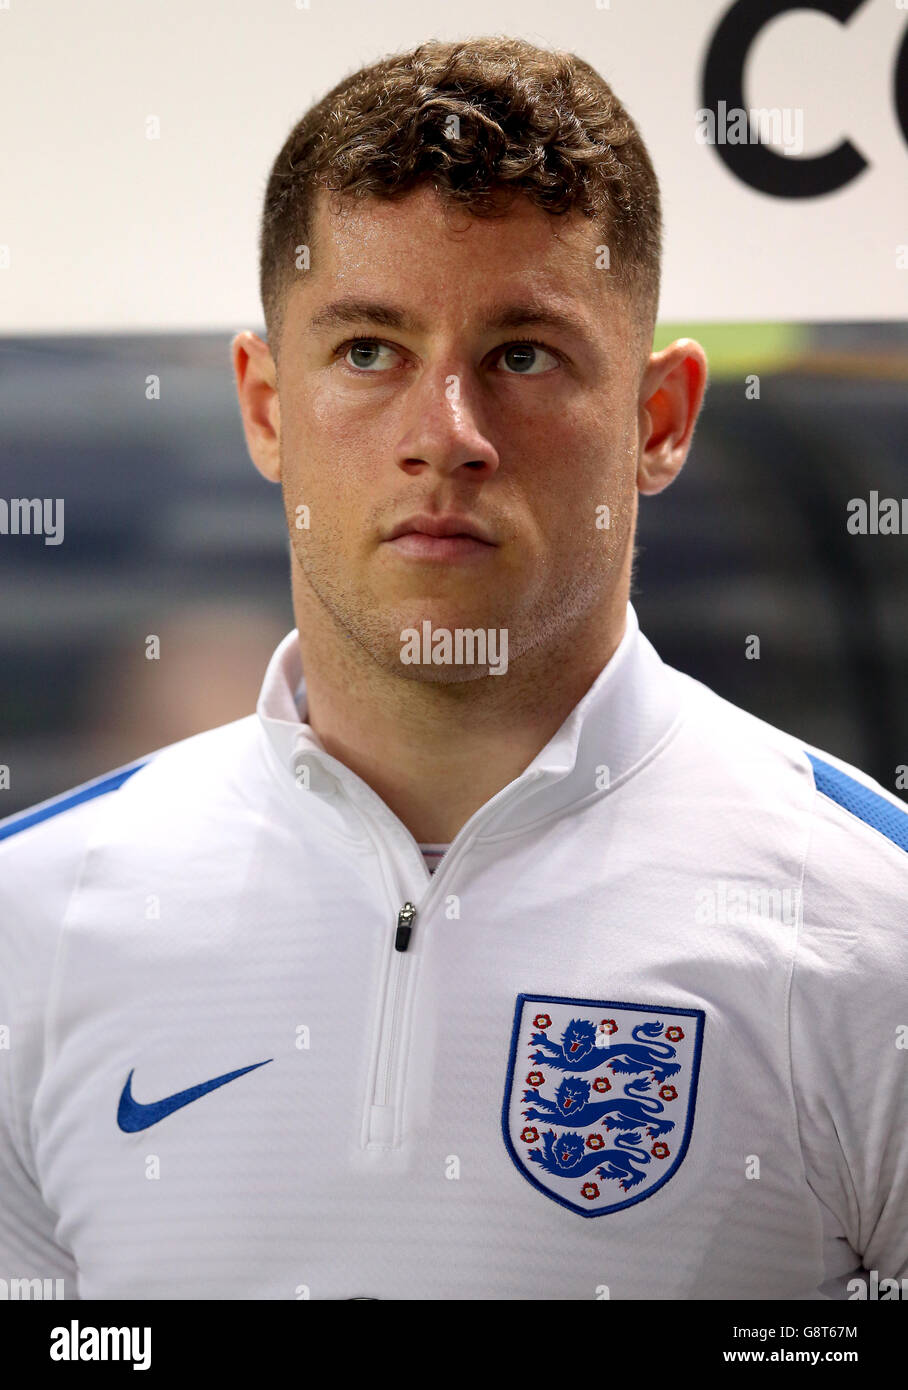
404,926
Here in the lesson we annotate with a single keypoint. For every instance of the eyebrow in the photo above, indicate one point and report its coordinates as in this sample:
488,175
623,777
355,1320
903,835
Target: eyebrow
519,315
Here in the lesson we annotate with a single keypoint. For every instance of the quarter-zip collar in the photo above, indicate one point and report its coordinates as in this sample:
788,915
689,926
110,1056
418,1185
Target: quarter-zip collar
630,710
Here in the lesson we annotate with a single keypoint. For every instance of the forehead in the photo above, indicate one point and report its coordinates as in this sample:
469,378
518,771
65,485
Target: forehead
426,249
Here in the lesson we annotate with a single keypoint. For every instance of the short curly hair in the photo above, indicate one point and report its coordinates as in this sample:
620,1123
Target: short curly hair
529,121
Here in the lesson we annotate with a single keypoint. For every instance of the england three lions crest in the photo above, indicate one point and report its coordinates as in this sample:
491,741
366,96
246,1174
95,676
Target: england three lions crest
599,1100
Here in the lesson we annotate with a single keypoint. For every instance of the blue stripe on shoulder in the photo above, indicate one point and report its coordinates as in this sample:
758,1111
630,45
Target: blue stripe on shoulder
67,800
867,805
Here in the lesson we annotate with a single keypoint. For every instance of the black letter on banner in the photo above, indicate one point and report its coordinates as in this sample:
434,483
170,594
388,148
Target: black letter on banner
901,86
760,166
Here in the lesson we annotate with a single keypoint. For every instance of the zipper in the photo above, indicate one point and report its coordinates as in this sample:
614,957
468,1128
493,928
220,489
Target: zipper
379,1131
404,926
382,1114
382,1097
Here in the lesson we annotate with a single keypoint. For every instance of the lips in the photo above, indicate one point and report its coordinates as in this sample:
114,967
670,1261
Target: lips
445,537
419,546
442,524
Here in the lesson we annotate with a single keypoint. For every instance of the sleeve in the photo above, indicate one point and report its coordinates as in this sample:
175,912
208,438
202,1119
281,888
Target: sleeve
38,869
849,1027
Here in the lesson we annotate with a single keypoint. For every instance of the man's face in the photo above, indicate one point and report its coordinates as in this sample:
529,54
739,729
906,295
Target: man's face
433,401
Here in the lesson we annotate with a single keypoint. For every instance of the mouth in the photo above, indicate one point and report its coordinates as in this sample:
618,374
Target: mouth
440,538
423,547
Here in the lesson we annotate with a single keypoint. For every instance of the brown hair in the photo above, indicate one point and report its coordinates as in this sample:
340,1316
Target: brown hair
540,123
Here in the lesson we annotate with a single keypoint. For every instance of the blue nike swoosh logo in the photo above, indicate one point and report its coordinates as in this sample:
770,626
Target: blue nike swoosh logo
133,1116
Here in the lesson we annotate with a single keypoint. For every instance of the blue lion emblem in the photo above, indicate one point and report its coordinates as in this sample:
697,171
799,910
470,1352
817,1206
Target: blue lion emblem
578,1051
566,1156
571,1107
598,1115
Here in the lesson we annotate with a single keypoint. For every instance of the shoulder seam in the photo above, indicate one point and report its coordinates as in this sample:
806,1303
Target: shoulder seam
863,803
66,801
792,970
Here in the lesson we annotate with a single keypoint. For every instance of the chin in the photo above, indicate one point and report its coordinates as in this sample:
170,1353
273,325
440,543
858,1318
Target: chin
440,675
440,643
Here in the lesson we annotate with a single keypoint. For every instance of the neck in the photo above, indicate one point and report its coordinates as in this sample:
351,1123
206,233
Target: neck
436,752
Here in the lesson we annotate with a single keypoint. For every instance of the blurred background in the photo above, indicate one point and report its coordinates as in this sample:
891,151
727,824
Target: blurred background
135,146
171,531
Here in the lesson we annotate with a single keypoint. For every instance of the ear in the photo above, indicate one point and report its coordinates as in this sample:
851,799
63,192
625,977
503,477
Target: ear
671,394
256,388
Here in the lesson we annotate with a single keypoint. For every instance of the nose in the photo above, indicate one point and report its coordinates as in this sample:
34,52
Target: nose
445,429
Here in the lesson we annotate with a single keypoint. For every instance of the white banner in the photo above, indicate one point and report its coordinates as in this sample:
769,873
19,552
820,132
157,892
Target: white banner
137,140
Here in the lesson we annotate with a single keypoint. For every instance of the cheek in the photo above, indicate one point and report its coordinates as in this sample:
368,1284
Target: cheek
582,483
324,451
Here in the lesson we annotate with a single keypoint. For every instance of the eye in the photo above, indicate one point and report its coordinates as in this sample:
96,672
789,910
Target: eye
528,358
365,355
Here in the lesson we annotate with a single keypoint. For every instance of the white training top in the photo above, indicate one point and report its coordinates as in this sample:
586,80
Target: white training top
646,1039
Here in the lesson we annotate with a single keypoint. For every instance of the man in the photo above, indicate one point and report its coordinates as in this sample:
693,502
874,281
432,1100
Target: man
640,1034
